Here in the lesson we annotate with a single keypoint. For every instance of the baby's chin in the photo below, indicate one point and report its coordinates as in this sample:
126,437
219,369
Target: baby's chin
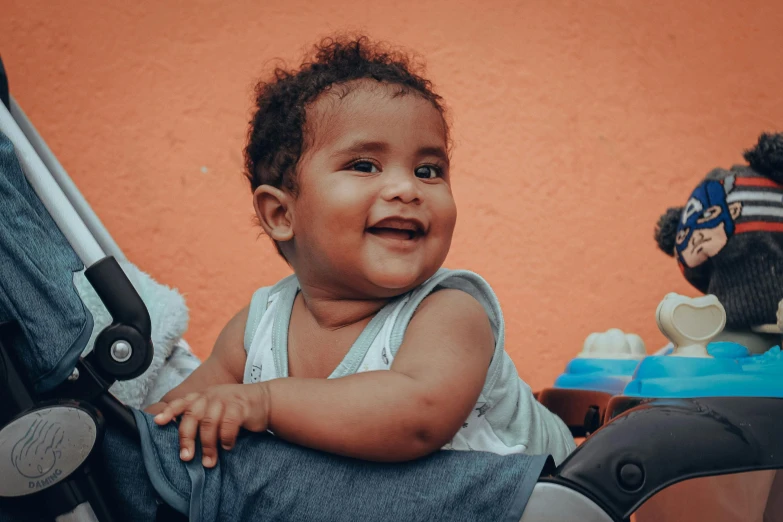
391,283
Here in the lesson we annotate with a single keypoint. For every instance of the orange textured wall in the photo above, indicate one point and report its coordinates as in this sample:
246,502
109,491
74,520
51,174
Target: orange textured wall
575,123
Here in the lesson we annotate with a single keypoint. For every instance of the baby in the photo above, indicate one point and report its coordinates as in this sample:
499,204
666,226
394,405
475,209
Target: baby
370,350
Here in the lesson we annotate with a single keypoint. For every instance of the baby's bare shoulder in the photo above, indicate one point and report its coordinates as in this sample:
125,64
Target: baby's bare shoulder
451,314
229,350
453,303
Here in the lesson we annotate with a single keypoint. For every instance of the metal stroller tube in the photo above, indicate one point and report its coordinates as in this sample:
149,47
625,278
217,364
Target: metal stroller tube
91,220
123,350
52,196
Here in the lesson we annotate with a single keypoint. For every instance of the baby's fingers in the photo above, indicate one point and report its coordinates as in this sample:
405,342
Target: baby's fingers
229,427
174,409
208,429
154,409
188,427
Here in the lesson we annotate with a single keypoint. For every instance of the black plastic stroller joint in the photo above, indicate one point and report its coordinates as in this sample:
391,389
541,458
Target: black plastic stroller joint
123,350
74,476
88,405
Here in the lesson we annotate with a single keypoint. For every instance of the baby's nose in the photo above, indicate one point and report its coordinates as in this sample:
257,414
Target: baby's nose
402,186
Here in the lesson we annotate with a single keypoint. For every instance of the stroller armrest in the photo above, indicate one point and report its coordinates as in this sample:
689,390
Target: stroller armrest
123,350
118,295
660,442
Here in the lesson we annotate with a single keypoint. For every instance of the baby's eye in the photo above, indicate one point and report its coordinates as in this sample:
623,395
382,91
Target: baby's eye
364,166
428,172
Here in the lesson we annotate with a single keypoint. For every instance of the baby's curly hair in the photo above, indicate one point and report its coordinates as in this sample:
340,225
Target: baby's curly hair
277,135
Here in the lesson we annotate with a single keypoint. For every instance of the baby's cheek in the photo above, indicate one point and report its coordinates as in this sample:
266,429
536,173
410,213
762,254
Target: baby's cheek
452,213
444,215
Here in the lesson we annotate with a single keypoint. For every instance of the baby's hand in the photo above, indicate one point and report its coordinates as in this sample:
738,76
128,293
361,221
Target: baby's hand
219,410
154,409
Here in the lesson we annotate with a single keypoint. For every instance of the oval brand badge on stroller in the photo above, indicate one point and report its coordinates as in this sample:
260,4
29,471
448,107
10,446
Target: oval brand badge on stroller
43,447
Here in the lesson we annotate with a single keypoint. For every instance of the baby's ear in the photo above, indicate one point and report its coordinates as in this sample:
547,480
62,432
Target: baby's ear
766,157
666,230
272,207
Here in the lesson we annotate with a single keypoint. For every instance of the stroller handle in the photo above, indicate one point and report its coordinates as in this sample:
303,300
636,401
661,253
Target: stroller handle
50,193
5,97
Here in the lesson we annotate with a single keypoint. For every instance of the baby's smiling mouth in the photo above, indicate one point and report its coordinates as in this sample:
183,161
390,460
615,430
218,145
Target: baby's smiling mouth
397,228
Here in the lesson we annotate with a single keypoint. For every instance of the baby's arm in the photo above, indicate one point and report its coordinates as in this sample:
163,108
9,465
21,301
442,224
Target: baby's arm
404,413
225,365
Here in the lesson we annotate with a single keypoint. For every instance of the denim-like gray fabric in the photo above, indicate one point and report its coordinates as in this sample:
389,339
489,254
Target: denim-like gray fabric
36,279
126,477
265,478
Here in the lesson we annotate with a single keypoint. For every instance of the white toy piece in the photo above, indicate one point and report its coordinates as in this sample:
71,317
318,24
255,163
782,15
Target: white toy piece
690,323
613,344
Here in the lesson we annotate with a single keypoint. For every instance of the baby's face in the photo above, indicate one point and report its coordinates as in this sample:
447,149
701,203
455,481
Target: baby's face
375,214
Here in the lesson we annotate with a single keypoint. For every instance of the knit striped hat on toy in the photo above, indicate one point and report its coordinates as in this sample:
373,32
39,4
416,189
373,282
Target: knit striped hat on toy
728,238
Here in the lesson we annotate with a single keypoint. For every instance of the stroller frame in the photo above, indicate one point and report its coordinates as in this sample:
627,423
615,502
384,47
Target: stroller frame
613,472
122,351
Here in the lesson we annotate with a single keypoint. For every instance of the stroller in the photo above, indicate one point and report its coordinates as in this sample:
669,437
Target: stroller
617,468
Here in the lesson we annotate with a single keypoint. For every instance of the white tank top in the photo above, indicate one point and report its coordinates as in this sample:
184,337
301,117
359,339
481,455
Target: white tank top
506,418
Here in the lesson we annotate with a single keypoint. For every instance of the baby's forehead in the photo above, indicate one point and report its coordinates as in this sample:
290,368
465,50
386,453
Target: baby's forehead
370,108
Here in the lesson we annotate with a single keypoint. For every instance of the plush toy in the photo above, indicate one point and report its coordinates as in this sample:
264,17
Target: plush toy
728,238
